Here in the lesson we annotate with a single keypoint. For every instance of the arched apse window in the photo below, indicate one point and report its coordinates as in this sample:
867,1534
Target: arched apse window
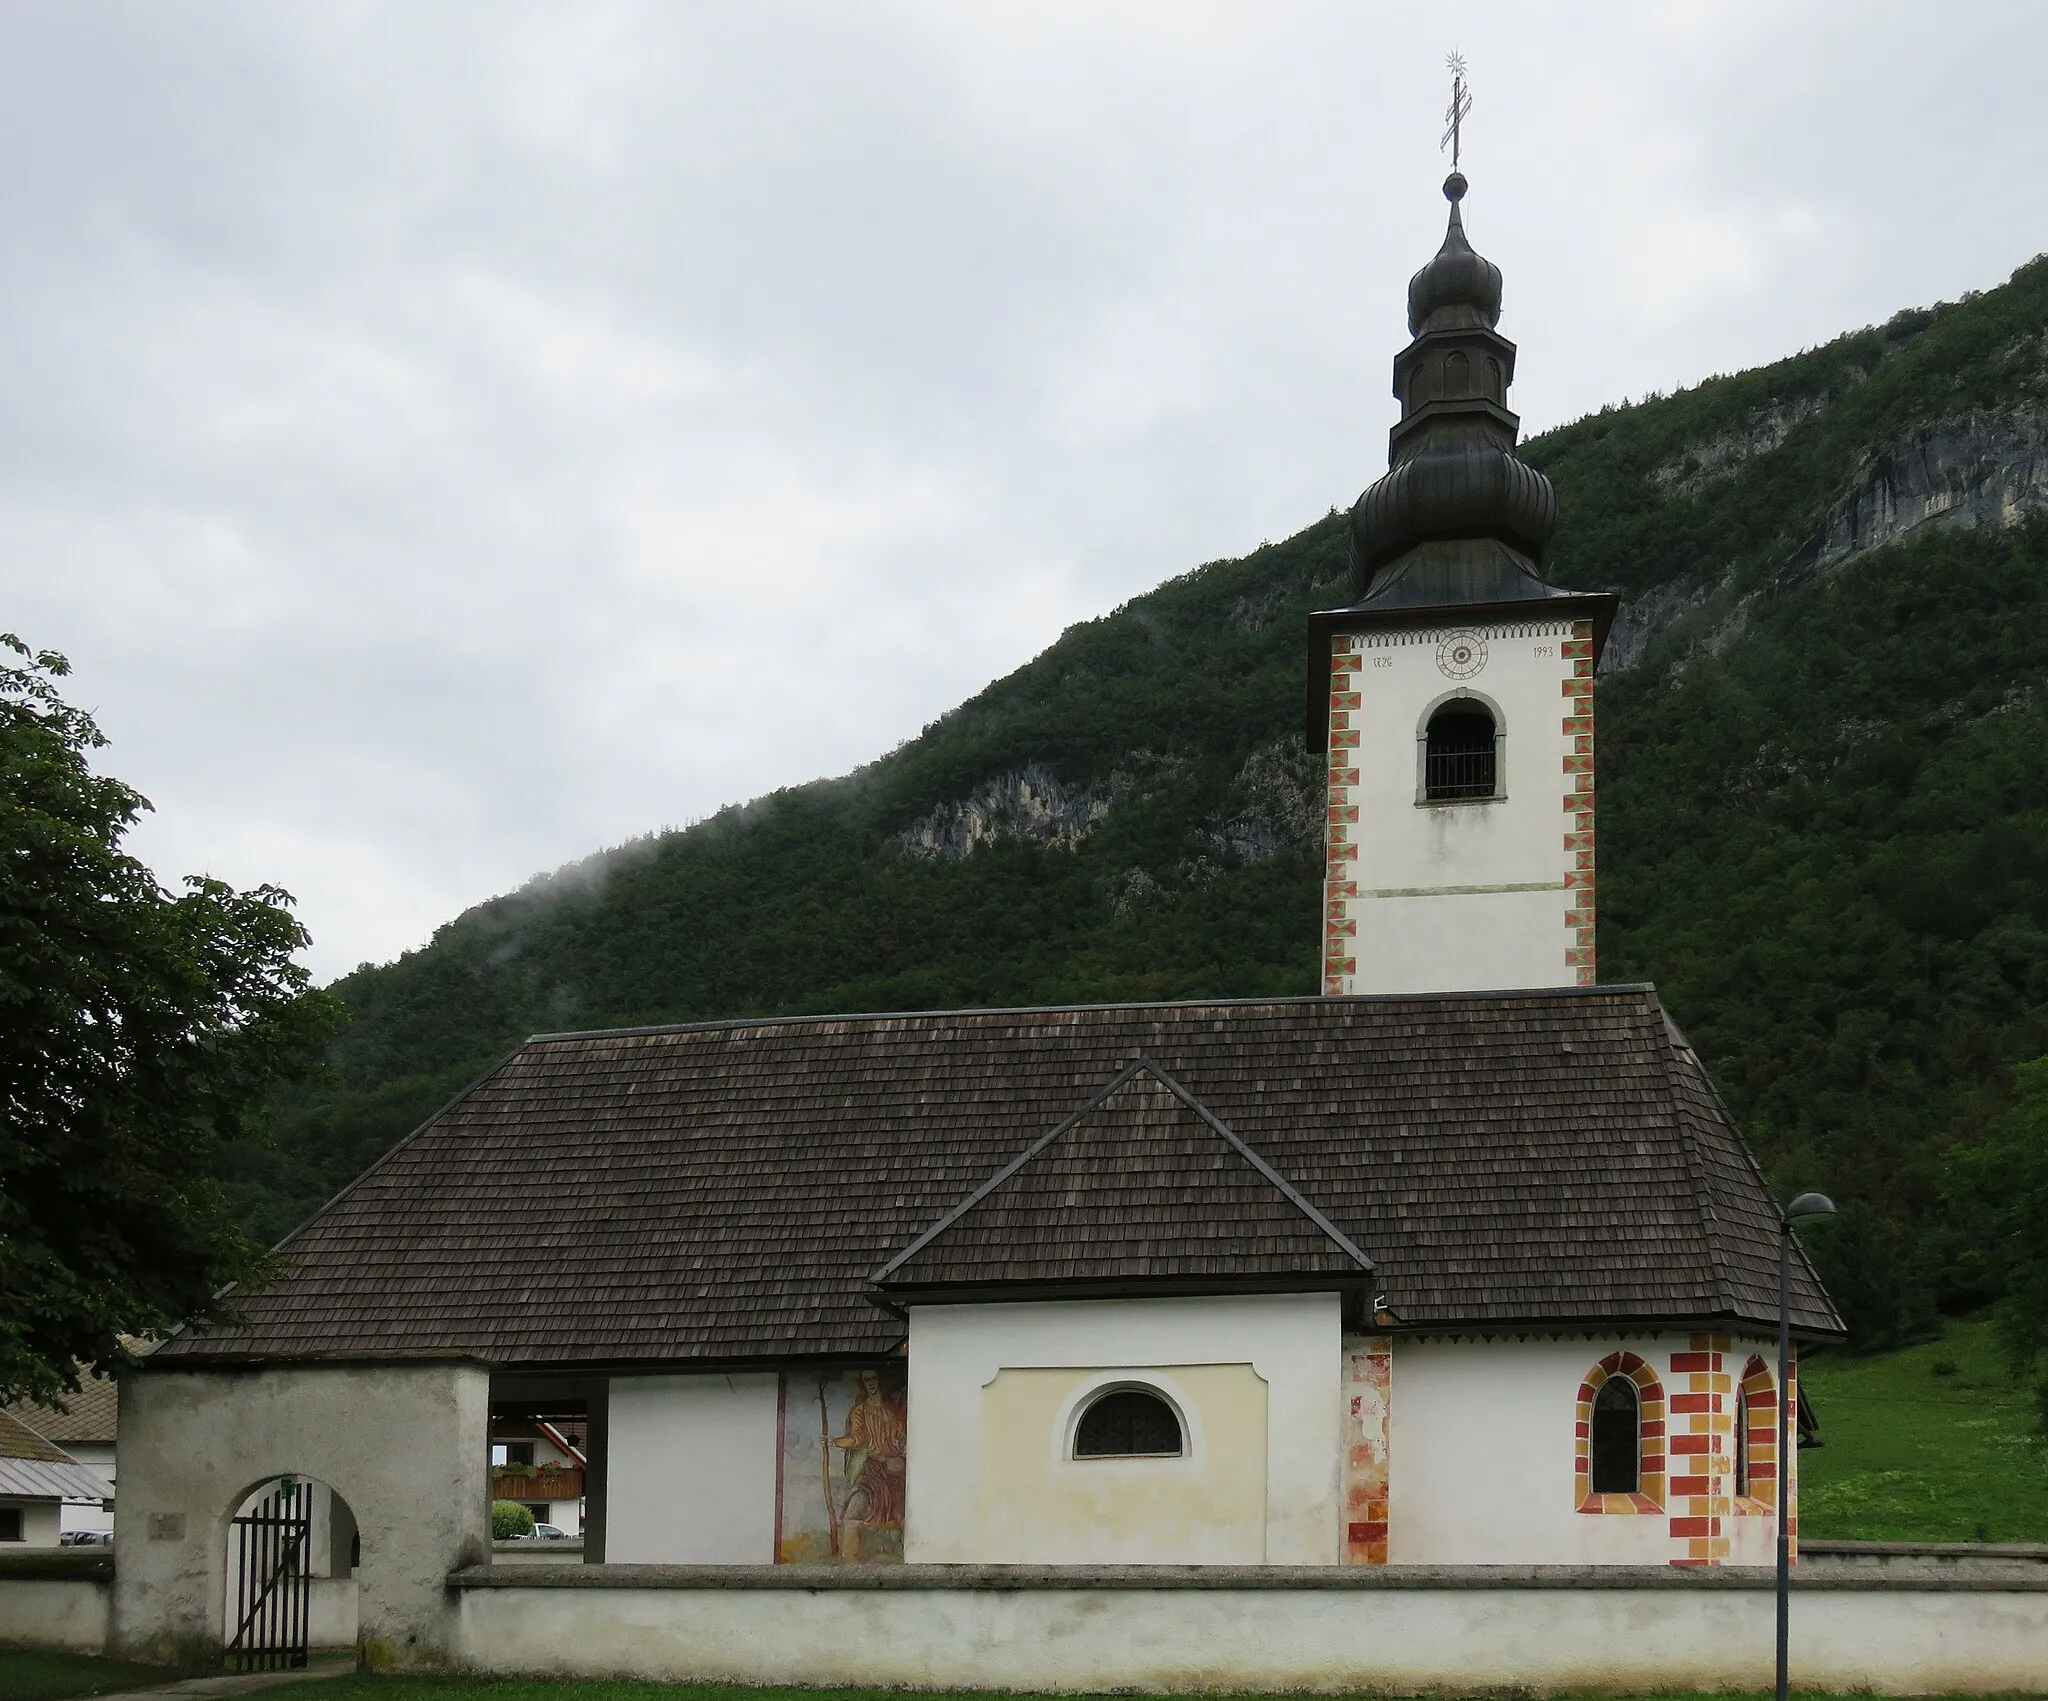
1460,759
1129,1423
1617,1437
1756,1434
1620,1463
1742,1441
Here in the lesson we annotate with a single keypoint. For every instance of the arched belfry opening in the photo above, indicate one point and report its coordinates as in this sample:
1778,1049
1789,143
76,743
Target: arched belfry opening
1461,753
293,1549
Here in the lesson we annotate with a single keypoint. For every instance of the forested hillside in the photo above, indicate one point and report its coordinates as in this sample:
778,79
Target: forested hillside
1824,827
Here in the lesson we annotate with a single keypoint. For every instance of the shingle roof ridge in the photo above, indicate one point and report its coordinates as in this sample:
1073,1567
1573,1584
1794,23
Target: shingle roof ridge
1688,1143
1139,1065
727,1023
1287,1188
1705,1078
1123,1076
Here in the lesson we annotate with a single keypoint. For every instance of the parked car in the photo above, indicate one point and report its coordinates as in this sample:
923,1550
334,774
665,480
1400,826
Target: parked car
85,1538
550,1533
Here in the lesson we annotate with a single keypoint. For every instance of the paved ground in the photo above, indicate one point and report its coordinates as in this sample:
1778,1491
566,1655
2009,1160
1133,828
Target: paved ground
237,1683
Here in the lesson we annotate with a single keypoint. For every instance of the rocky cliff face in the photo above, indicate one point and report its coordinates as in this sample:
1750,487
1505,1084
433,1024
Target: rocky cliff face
1703,463
1981,469
1275,801
1026,803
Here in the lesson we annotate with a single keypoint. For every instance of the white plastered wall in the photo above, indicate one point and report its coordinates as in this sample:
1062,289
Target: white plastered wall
48,1612
1482,1443
691,1478
1462,896
994,1391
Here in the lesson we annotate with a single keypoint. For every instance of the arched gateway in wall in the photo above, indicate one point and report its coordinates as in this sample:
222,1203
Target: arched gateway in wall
293,1547
396,1454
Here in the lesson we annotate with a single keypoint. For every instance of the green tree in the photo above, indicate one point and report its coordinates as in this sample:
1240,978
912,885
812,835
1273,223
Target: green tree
510,1521
139,1031
2002,1182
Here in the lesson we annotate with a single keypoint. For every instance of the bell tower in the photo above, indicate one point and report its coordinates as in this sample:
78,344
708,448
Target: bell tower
1454,698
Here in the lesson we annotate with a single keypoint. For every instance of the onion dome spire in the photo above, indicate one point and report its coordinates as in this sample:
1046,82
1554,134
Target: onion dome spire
1459,289
1458,518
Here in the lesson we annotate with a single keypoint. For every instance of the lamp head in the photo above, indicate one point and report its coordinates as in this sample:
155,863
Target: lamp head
1809,1205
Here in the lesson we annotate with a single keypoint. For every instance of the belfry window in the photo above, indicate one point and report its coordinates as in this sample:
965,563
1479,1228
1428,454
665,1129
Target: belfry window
1128,1423
1459,760
1617,1437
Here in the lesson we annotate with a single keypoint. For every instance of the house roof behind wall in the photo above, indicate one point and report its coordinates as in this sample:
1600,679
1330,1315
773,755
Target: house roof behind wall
18,1441
90,1414
722,1192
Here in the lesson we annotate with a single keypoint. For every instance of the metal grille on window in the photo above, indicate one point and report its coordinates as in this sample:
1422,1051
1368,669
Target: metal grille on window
1459,759
1617,1437
1741,1441
1128,1424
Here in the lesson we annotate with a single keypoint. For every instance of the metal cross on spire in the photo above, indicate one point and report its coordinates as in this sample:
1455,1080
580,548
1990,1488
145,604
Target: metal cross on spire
1461,103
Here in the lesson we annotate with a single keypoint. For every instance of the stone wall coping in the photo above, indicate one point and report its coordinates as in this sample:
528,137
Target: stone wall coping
2022,1552
60,1564
1051,1578
527,1544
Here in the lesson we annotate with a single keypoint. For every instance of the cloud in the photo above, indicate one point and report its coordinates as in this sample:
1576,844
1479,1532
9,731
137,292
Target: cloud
449,438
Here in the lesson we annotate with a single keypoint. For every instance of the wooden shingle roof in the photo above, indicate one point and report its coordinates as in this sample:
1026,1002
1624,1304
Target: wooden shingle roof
721,1193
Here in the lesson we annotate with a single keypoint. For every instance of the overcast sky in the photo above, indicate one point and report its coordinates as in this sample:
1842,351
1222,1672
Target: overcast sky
451,438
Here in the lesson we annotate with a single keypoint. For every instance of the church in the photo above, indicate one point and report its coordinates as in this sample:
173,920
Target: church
1458,1262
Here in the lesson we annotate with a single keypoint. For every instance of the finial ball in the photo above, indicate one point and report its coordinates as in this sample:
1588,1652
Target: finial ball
1454,187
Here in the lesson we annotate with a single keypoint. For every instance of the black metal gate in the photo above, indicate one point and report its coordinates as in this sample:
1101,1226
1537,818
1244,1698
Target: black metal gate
273,1581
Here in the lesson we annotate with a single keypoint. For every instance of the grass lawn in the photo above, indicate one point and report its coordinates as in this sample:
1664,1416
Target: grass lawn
1930,1443
28,1674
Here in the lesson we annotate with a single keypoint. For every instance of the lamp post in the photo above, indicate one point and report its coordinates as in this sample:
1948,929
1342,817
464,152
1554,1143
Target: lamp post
1806,1205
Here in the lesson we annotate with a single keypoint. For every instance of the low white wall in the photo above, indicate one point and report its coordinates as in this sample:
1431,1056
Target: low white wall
331,1612
1270,1494
691,1473
60,1613
1605,1632
525,1552
75,1616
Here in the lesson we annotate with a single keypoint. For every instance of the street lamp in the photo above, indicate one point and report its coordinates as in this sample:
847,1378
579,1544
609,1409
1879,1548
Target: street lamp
1806,1205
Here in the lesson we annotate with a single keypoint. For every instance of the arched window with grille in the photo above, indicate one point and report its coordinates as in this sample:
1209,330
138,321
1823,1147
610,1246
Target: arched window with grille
1129,1423
1620,1465
1617,1437
1461,753
1741,1441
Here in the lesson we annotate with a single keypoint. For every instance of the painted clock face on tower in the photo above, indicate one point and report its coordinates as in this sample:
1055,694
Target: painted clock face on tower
1459,655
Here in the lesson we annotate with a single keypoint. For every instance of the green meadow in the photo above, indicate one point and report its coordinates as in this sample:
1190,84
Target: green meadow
1927,1443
